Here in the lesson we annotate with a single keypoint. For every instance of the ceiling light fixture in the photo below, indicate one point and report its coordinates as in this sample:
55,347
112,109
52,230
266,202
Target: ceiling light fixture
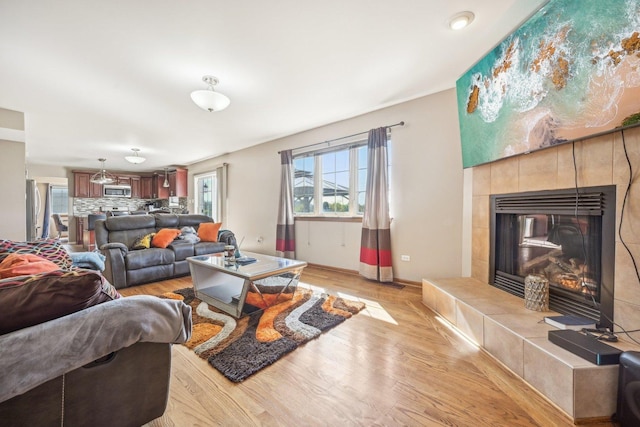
102,177
135,159
208,99
461,20
165,184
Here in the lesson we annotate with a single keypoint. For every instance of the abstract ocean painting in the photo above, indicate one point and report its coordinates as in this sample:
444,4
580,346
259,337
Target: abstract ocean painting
570,71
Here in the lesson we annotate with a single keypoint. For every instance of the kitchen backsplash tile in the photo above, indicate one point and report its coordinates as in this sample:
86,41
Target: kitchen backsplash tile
85,206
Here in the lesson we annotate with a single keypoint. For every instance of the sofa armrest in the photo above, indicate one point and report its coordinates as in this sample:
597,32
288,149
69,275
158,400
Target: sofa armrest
115,245
34,355
227,237
114,267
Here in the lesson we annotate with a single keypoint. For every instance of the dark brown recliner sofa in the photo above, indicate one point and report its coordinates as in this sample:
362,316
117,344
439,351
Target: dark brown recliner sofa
125,267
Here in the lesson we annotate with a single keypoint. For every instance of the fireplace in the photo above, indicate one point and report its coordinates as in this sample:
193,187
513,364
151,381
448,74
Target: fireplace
568,236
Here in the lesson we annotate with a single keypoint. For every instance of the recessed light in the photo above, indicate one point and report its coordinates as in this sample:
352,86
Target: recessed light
461,20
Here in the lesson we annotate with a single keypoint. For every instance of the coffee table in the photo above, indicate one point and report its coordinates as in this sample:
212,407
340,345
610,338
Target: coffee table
225,284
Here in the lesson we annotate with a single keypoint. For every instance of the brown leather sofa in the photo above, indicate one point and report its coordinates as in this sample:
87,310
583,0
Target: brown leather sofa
125,267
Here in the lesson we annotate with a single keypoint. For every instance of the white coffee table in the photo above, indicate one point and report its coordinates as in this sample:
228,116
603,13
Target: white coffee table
225,285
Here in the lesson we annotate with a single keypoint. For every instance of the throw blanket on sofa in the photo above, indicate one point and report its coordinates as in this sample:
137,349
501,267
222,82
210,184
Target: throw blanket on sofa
90,260
32,356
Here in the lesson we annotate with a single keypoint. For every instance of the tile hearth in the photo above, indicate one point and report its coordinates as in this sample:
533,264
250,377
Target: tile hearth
517,337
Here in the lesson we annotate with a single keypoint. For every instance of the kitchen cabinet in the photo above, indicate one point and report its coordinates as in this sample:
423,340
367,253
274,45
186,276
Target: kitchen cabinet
159,192
146,187
124,180
178,183
89,240
83,187
135,187
80,224
142,187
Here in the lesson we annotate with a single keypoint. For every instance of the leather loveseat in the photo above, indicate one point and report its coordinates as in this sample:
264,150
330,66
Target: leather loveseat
124,267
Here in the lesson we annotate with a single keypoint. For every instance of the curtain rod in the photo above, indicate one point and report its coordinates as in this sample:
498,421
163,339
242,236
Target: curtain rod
342,137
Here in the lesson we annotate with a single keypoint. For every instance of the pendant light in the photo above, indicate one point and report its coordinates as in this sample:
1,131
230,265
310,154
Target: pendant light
208,99
165,184
102,177
135,159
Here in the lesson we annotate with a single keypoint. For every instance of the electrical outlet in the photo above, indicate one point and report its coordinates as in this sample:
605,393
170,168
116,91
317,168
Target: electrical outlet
405,257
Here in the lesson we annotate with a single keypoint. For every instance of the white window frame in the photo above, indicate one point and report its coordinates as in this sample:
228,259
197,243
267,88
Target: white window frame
59,187
352,146
214,190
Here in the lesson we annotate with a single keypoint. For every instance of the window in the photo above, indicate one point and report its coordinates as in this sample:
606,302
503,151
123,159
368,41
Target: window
205,202
335,182
59,200
337,178
303,185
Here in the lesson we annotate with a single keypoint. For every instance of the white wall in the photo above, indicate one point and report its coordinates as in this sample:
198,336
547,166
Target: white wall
426,192
13,223
49,173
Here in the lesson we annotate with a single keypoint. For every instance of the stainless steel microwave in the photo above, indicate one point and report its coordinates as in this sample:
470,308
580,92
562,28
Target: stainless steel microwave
109,190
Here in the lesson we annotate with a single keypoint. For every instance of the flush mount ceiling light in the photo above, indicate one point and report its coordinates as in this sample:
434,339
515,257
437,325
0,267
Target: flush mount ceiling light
461,20
102,177
208,99
135,159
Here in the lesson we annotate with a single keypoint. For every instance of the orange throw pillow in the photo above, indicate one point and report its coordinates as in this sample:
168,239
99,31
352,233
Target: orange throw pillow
24,265
164,237
208,231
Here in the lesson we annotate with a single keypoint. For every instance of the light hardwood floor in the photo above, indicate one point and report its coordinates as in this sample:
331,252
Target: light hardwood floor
394,364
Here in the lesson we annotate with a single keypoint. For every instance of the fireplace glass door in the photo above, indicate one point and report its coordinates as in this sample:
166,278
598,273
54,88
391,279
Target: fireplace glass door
564,249
567,236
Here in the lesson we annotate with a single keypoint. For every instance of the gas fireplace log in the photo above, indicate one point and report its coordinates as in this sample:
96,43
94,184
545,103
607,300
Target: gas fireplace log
574,266
538,263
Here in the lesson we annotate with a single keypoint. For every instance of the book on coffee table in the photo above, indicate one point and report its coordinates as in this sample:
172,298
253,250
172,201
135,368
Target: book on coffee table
570,322
243,260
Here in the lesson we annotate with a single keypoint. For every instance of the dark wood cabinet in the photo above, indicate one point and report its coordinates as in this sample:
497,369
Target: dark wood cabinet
81,184
83,187
135,187
160,191
124,180
80,224
89,240
142,187
178,183
146,187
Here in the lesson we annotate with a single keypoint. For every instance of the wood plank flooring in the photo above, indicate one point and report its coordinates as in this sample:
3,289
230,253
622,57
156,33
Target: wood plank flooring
394,364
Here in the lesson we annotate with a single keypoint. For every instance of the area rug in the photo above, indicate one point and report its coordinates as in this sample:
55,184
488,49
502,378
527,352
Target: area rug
241,347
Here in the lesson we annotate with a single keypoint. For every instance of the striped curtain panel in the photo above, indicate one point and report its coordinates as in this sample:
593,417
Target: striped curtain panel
285,232
375,247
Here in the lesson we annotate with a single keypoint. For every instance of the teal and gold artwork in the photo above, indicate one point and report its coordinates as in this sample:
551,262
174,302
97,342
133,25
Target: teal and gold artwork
570,71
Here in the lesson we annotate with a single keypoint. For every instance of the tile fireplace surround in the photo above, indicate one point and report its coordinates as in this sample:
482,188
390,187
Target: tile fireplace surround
512,334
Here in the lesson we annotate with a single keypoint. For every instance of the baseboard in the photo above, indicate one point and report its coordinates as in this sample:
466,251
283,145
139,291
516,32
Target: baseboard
401,282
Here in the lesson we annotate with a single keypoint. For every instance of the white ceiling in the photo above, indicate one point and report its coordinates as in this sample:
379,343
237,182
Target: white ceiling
97,78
